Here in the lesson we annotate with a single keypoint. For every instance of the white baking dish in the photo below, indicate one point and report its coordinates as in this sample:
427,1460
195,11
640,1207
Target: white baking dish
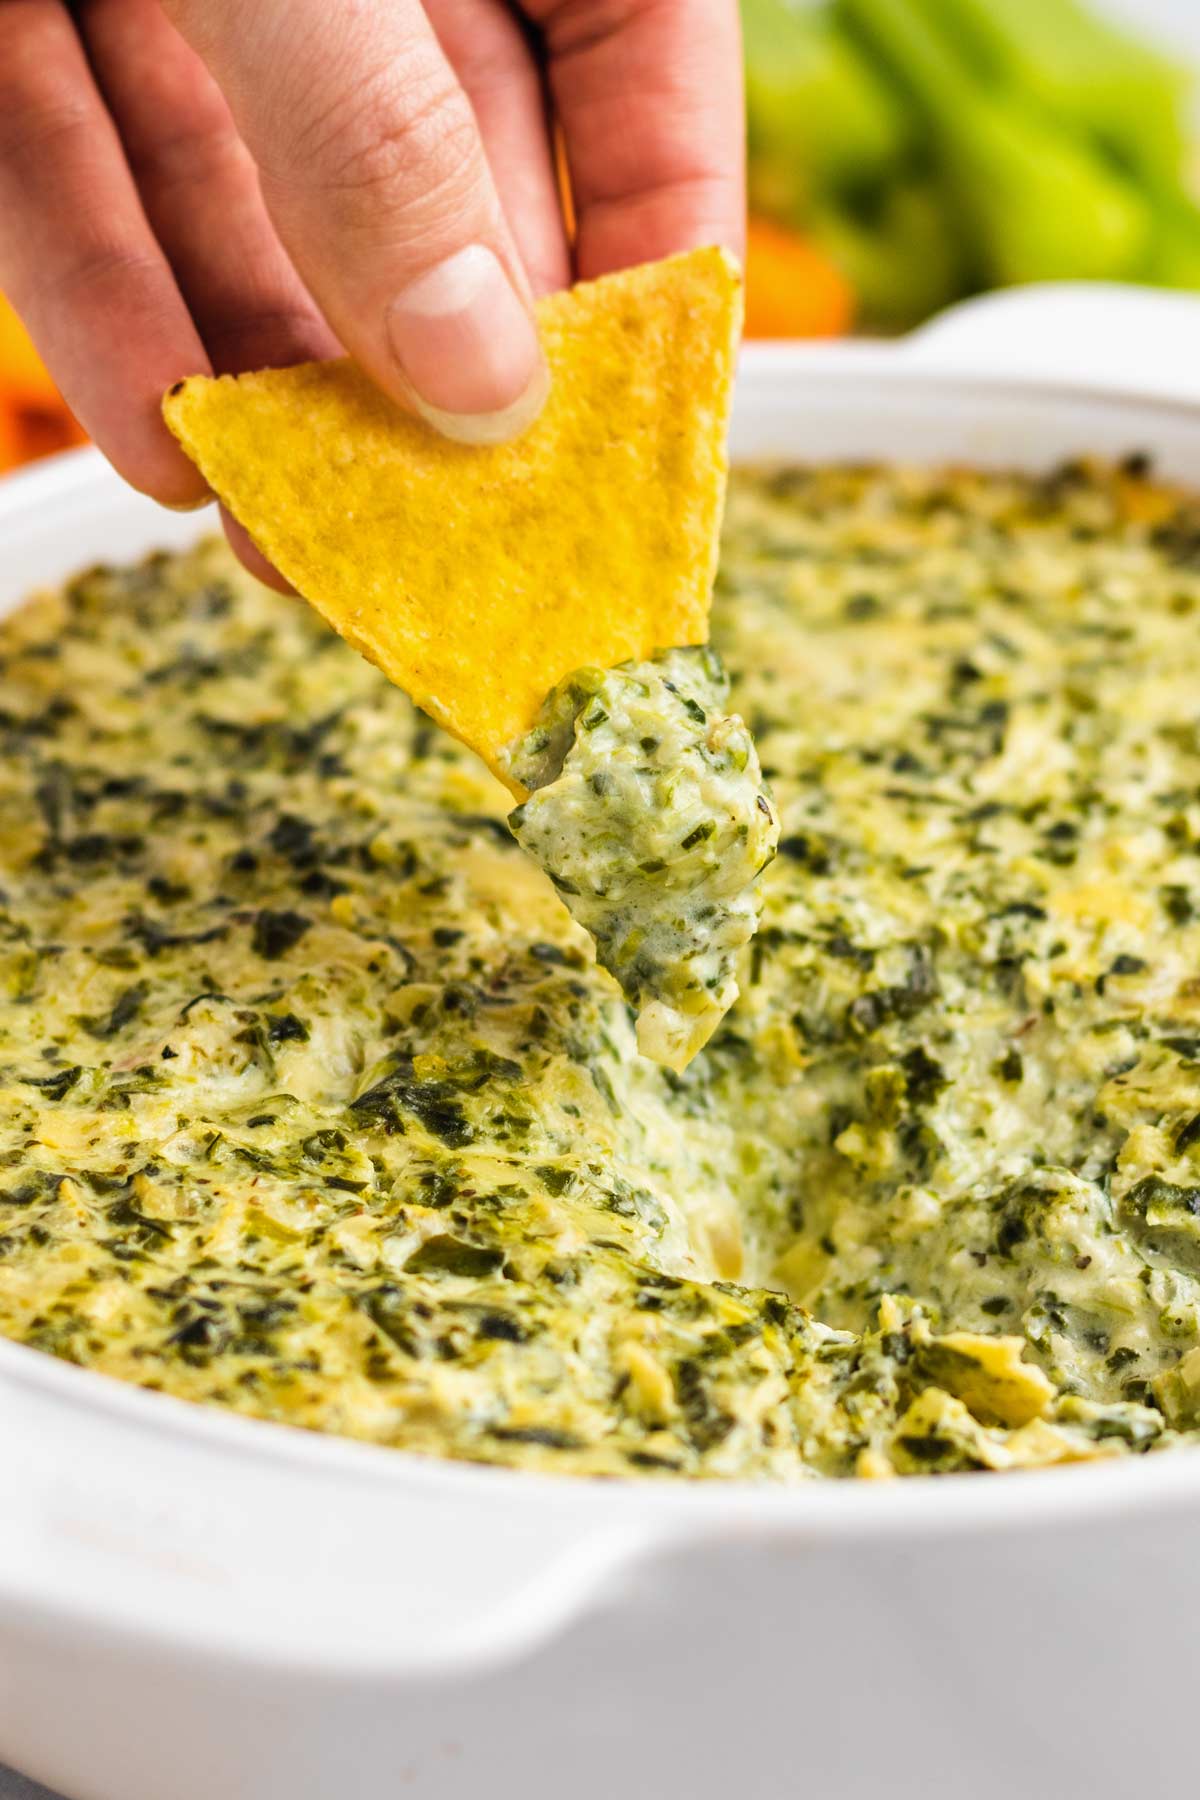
195,1606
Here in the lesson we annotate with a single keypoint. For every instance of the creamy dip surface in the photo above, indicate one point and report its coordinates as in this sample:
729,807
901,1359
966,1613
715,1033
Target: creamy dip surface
315,1103
649,816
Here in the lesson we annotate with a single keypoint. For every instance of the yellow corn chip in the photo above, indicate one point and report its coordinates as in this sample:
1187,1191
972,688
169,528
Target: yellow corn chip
478,577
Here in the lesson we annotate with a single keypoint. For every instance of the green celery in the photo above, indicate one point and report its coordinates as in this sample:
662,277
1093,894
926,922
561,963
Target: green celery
1039,205
1081,71
903,258
819,117
1175,247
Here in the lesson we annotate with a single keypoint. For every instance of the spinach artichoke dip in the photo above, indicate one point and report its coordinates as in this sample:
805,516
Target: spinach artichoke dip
649,816
316,1104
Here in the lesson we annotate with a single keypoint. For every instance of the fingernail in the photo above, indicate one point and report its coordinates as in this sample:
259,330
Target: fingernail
468,349
186,506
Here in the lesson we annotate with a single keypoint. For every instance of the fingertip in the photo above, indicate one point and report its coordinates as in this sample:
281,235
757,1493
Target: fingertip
161,471
132,434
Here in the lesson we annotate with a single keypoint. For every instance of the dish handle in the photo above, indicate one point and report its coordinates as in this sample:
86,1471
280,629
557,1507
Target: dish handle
140,1518
1100,334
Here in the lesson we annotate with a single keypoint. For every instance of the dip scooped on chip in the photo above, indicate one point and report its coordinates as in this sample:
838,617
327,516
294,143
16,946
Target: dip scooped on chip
491,581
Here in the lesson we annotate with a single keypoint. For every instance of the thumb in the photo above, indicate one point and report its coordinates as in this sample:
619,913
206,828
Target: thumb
374,173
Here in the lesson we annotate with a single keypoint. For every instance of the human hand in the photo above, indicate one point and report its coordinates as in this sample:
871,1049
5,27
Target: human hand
214,185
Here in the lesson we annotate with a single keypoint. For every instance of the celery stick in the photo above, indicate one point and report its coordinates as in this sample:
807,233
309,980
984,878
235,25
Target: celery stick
904,261
1082,71
819,115
1039,205
1174,259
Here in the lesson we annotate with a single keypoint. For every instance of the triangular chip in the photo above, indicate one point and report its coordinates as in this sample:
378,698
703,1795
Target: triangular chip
477,578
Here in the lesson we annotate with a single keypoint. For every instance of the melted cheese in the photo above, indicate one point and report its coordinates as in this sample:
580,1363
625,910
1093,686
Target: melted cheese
648,813
314,1102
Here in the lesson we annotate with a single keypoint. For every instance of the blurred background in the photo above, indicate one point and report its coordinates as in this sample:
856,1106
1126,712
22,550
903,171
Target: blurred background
907,153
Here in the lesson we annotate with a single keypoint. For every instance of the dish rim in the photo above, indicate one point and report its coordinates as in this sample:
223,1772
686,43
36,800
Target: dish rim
678,1511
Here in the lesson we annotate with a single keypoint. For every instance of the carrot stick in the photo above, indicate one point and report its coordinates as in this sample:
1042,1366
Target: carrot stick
792,288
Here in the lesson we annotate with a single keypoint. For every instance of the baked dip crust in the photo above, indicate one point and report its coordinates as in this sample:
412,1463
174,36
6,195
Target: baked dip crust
315,1104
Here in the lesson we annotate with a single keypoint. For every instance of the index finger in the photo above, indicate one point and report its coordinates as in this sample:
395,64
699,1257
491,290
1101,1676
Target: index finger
649,97
78,258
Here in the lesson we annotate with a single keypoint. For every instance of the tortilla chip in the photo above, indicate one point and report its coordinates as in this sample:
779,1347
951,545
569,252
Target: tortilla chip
478,577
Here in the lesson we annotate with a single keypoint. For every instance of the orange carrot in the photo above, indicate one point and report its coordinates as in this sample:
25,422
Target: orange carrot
34,418
23,377
44,430
792,288
10,436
